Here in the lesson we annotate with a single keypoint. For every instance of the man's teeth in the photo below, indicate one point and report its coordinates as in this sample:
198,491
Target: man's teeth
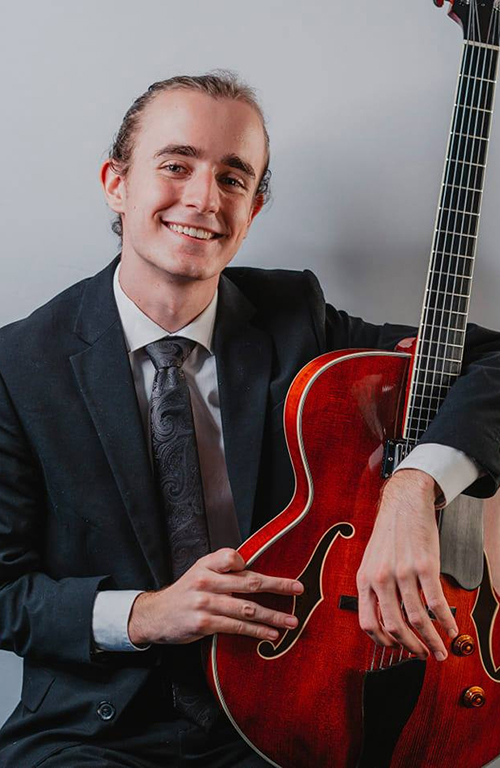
202,234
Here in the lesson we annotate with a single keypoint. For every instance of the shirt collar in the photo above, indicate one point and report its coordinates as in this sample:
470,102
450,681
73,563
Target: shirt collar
140,330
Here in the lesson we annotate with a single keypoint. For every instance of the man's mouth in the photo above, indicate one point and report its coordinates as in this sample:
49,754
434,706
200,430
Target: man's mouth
195,232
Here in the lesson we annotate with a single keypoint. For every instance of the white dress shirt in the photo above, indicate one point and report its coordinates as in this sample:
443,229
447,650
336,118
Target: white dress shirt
451,469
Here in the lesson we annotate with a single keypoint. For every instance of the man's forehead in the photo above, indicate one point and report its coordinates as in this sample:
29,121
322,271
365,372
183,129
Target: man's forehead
186,117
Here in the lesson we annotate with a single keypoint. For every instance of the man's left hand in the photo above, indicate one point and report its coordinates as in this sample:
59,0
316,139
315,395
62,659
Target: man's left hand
401,561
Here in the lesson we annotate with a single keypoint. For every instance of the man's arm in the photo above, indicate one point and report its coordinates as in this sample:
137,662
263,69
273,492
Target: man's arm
40,617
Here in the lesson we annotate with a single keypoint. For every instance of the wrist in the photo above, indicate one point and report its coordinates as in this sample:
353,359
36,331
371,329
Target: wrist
416,481
138,627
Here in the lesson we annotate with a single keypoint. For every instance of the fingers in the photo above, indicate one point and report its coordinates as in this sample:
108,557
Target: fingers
381,615
252,582
369,619
229,561
396,626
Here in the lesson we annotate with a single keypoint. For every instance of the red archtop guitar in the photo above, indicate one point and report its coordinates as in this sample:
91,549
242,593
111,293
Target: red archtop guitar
323,694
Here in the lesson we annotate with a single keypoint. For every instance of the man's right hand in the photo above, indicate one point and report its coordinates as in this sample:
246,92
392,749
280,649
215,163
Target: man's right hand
201,603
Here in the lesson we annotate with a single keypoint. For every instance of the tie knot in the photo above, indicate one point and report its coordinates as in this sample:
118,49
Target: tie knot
170,352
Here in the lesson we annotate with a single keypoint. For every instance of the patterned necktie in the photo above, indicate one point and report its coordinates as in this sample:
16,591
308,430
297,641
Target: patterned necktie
177,471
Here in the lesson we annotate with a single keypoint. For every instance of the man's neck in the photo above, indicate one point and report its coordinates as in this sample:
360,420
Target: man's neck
172,303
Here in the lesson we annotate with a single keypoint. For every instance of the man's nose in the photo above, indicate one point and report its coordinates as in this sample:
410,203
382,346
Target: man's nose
202,192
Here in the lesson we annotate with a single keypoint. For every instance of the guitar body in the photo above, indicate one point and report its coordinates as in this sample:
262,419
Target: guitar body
340,410
302,700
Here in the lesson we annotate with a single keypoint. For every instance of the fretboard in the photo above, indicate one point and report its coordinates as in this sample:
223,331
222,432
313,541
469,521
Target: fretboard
441,336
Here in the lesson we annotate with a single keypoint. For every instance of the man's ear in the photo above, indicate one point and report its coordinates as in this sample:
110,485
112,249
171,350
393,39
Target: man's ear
113,185
258,204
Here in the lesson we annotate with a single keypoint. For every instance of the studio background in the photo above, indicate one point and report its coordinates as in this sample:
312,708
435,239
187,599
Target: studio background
358,98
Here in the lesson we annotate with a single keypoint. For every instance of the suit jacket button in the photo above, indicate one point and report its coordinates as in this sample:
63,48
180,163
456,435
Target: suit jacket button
106,711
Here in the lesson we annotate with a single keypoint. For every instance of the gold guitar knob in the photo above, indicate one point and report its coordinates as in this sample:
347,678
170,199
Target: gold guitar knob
463,645
474,696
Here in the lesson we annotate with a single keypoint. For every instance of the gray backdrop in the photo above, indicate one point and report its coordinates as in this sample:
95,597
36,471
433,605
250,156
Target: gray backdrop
358,98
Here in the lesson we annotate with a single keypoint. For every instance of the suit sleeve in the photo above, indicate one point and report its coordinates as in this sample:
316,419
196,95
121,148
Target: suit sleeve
40,618
469,418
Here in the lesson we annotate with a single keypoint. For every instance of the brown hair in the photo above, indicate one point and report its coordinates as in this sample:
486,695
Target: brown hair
219,84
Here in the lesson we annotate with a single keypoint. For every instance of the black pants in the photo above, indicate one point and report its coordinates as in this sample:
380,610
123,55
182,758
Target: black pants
149,734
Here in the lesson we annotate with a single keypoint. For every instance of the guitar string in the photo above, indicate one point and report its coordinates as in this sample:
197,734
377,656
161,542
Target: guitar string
470,35
458,275
422,373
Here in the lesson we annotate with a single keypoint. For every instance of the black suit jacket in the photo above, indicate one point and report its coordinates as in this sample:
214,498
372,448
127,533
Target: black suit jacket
78,507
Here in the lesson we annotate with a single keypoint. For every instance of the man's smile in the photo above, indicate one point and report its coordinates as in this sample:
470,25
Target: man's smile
196,233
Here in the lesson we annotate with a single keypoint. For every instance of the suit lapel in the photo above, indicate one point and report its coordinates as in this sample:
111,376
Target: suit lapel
243,354
105,379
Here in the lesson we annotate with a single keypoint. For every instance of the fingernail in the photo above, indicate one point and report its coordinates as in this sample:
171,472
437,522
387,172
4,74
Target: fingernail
291,621
440,656
273,634
452,633
298,587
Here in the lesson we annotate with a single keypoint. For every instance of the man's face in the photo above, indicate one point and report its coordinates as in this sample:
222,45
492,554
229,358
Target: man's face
196,164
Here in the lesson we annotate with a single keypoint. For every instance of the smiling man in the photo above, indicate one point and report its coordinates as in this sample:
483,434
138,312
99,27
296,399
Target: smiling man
141,440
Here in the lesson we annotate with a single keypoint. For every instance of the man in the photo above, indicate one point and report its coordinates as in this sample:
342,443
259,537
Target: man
100,594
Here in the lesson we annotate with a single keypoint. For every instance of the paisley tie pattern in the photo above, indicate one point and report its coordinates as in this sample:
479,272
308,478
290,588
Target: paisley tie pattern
178,476
175,454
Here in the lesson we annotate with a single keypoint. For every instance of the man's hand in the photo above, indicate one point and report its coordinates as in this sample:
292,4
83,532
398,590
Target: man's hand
201,603
402,558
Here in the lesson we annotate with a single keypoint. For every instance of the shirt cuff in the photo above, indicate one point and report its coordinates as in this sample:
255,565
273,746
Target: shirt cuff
110,620
452,470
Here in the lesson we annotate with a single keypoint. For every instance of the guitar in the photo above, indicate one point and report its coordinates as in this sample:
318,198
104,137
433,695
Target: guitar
335,699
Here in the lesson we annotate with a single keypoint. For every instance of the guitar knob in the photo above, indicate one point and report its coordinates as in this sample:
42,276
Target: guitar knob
463,645
474,697
439,3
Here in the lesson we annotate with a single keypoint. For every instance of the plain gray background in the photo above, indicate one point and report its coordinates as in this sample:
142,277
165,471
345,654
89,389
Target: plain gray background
358,98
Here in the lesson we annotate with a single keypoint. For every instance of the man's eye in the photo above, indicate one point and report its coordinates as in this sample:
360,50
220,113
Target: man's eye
232,182
174,167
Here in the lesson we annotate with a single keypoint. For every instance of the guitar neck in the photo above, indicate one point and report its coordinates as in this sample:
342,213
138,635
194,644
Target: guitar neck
441,336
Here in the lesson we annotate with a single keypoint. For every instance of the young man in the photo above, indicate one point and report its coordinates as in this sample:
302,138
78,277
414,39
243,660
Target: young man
102,592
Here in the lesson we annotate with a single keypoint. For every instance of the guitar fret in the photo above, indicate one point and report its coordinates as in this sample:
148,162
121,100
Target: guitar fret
437,370
470,136
450,233
451,294
482,45
456,210
466,162
455,256
437,310
475,77
436,357
477,109
459,186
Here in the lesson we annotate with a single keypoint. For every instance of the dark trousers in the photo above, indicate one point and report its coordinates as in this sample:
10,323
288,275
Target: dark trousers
149,734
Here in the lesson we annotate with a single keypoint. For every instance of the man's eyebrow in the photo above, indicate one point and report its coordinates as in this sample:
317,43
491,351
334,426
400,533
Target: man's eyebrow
178,149
236,162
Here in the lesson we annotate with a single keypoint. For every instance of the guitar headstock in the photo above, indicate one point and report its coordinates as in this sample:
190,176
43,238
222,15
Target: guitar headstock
479,19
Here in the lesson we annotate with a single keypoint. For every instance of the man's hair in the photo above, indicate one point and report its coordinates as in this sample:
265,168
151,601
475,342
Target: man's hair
219,84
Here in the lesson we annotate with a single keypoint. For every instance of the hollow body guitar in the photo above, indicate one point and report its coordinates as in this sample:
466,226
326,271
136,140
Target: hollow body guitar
323,694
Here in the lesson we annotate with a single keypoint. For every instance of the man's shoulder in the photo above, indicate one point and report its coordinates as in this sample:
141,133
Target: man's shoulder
51,317
273,288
